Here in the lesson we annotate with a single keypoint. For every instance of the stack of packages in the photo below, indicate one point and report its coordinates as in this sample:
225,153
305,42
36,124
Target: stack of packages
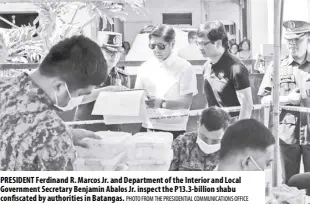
150,151
147,151
101,153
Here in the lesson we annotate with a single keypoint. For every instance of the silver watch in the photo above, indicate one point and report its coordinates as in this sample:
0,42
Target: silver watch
163,104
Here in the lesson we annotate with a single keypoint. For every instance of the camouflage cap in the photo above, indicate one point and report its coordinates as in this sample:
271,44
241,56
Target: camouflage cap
295,29
109,40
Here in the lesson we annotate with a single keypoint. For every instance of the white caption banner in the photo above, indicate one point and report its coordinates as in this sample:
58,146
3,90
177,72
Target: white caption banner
132,188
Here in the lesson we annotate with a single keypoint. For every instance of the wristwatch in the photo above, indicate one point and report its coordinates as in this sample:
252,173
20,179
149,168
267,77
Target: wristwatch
163,104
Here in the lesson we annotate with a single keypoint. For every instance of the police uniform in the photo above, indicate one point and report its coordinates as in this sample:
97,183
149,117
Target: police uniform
294,137
32,136
117,77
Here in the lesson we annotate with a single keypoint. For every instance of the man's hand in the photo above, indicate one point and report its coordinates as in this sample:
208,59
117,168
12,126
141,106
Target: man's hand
153,102
294,97
80,134
266,100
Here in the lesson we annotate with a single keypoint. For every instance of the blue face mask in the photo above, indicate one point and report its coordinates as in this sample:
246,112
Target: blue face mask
73,102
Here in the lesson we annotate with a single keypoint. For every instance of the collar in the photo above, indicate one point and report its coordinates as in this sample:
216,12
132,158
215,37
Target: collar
34,89
291,59
169,61
222,60
113,71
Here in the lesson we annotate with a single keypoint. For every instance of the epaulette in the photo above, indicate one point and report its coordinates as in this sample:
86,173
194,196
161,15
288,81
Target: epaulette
284,58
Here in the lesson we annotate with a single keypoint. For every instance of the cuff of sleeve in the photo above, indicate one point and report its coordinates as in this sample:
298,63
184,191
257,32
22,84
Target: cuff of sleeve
186,92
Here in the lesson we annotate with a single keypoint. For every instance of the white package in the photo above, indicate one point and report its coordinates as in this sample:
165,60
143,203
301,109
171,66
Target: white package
150,151
110,144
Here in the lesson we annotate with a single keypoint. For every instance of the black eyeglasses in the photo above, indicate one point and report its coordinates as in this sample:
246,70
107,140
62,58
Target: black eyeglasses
160,46
202,43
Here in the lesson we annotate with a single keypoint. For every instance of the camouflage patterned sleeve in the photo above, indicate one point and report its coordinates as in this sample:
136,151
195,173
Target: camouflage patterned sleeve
55,150
176,147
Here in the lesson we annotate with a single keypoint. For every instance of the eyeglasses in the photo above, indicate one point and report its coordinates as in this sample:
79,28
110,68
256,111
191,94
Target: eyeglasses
202,43
160,46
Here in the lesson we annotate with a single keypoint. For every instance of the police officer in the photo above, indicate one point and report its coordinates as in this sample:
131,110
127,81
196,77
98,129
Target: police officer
111,47
294,141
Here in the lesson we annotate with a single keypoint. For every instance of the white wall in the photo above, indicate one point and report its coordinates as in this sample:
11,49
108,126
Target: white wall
258,24
153,15
224,11
17,7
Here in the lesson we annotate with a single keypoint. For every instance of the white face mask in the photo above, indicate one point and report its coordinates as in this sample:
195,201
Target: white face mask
207,148
268,177
73,102
268,181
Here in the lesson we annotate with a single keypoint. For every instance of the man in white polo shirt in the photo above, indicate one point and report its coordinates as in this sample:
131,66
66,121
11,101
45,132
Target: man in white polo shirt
169,80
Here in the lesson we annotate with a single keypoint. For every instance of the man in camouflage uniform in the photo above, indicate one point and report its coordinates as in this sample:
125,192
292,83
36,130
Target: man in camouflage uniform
33,136
294,137
199,151
111,47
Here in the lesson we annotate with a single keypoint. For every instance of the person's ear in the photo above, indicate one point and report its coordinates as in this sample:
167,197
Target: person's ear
245,163
173,43
218,43
58,86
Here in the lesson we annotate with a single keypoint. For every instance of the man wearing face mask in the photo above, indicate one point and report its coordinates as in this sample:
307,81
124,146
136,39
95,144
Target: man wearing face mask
33,136
199,151
111,47
294,126
248,145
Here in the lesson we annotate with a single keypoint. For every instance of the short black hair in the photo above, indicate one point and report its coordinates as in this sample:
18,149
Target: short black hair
245,134
164,31
77,60
245,41
191,34
214,118
214,31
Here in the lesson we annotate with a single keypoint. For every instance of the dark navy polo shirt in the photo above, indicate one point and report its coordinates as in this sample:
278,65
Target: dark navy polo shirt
223,79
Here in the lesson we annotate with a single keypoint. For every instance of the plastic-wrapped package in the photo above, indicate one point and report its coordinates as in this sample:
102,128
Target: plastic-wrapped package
101,153
110,144
150,151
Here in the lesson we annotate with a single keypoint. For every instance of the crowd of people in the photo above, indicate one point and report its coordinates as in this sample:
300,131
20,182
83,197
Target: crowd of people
243,50
35,138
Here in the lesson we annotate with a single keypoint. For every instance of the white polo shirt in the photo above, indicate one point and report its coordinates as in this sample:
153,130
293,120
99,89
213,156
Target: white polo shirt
169,80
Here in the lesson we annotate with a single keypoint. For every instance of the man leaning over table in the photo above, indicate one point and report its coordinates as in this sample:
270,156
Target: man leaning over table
169,80
199,151
293,129
248,145
33,136
226,77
